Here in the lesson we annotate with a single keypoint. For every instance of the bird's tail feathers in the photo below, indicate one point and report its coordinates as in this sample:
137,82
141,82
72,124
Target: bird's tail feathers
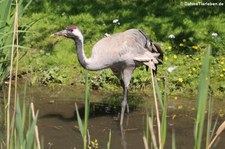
152,58
158,50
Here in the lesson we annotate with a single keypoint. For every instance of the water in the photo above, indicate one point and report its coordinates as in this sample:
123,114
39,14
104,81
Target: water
59,129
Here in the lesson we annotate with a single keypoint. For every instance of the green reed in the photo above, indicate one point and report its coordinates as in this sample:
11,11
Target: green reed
161,123
10,12
83,125
109,141
23,135
20,134
204,99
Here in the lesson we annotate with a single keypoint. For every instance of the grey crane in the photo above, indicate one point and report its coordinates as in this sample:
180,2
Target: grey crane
121,52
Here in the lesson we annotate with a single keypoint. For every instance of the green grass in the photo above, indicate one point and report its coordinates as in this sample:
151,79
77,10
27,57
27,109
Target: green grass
192,26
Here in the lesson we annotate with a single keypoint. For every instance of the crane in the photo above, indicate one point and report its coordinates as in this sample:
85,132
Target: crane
121,52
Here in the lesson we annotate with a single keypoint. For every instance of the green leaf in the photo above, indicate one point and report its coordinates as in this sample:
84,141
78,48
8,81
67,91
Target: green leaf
5,13
31,133
202,99
80,123
19,122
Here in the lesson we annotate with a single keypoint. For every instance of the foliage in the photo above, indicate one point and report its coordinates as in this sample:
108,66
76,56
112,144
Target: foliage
204,99
52,76
23,135
83,125
7,15
193,27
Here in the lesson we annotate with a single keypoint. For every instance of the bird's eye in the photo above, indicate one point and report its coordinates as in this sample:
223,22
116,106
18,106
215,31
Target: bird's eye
69,29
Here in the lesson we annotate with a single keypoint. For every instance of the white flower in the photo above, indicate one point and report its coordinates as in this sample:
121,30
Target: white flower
171,68
171,36
115,20
214,34
107,35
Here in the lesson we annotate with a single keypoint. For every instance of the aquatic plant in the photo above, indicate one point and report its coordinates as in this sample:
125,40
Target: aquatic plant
24,134
9,16
161,123
204,99
16,123
83,125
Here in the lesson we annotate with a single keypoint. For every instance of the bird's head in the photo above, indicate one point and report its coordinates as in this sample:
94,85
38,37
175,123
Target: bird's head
72,32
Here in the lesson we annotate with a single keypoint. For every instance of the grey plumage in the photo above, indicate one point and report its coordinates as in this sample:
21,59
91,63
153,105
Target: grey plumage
121,52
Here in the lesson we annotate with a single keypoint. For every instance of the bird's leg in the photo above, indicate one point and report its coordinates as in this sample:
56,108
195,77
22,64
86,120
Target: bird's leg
124,104
125,98
125,95
127,73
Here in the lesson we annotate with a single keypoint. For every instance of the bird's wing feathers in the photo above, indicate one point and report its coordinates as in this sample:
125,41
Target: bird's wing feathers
149,59
131,45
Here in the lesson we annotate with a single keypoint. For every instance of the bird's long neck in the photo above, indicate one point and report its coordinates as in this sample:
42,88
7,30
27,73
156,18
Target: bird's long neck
87,63
80,52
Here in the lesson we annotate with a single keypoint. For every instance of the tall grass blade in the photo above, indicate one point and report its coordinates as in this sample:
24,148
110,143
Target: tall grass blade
209,120
173,140
109,141
80,123
19,122
163,103
5,13
83,126
145,142
220,129
86,113
12,40
36,128
218,132
24,112
159,93
157,112
213,129
31,133
202,99
147,128
151,129
163,127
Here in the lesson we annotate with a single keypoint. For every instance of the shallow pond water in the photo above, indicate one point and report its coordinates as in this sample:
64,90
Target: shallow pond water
59,129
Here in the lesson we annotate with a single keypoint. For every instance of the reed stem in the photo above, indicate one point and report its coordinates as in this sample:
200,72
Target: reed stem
10,77
157,112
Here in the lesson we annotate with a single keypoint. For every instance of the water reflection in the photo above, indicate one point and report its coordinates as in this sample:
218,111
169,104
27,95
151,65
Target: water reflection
58,123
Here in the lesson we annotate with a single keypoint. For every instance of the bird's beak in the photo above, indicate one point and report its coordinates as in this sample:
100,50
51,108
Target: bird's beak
61,33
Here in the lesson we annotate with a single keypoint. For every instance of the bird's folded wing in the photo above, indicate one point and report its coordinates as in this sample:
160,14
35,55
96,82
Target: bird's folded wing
147,61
